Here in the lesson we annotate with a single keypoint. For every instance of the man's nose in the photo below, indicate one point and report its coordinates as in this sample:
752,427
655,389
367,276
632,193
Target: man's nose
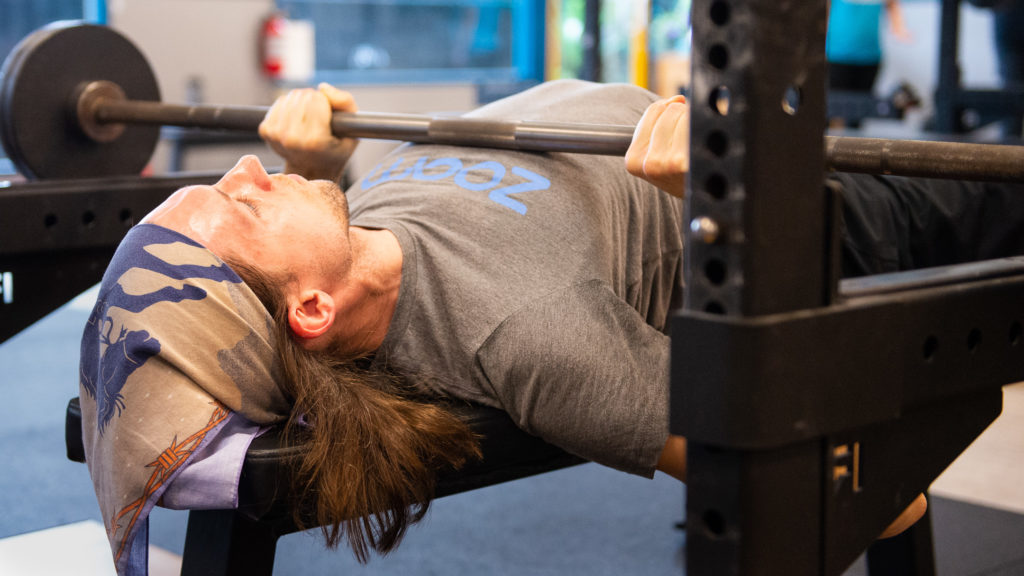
250,166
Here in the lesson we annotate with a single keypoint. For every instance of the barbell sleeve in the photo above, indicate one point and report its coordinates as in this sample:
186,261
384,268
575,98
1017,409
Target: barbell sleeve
925,158
116,111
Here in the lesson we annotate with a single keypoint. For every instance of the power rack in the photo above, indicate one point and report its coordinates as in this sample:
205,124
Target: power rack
815,410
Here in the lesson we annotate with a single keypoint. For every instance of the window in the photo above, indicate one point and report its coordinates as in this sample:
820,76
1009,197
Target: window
408,41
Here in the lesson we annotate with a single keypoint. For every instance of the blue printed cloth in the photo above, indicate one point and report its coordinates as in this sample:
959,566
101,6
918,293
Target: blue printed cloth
176,347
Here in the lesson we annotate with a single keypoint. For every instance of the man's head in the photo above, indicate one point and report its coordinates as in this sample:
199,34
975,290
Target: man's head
188,317
290,228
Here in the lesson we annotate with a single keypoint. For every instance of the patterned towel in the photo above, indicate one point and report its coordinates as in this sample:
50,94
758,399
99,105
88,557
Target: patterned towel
175,345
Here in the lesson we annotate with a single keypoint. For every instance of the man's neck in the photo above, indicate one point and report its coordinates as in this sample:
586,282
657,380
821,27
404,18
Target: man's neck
366,301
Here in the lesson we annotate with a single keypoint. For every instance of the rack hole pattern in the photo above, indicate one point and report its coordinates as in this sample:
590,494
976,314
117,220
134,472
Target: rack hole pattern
930,348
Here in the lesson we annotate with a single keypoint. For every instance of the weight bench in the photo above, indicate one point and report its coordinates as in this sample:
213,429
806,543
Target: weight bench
243,541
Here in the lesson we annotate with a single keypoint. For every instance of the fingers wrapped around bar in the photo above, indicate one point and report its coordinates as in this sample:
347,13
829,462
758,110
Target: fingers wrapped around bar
298,128
660,150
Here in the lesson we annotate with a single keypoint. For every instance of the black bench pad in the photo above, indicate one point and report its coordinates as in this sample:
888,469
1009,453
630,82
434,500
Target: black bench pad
509,454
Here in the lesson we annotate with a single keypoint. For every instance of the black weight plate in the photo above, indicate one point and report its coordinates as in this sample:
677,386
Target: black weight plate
37,113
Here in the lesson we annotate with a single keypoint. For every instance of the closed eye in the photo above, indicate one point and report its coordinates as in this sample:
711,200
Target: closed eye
253,206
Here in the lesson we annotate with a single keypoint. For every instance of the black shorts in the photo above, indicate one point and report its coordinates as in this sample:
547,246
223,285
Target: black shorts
852,77
892,223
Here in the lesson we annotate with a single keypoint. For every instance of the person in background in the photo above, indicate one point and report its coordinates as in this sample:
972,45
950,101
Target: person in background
853,45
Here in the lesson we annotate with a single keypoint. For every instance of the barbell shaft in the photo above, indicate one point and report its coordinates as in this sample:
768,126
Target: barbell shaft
459,131
917,158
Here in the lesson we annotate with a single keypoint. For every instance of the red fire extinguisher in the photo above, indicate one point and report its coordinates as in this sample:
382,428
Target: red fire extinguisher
273,44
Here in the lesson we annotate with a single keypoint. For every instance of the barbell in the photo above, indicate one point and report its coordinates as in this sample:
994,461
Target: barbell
80,101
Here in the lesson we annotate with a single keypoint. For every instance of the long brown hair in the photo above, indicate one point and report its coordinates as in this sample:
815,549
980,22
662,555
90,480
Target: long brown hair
373,445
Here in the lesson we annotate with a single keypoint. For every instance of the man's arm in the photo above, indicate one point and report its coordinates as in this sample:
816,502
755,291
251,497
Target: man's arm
298,128
897,24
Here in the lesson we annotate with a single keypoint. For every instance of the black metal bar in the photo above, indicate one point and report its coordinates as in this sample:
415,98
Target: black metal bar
954,160
226,543
982,107
947,107
793,376
867,286
911,553
756,174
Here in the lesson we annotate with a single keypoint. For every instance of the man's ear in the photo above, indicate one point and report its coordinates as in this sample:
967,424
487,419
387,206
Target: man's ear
311,313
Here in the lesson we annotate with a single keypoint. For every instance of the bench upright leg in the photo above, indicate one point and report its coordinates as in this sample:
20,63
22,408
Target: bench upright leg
226,543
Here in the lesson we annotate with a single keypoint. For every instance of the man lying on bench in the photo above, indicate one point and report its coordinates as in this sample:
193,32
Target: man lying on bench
540,284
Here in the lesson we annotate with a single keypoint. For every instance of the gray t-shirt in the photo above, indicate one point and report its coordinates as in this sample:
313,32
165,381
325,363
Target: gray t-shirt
538,283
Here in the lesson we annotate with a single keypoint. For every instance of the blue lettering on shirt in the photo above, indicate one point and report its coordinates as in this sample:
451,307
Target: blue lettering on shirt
534,181
386,175
480,177
462,178
420,170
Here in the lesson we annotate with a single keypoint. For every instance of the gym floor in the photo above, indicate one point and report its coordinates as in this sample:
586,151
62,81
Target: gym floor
584,520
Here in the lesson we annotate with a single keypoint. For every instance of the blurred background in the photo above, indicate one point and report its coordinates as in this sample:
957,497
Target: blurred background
435,56
439,57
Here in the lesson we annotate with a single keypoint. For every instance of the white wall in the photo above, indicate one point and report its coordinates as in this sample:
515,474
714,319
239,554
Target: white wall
217,43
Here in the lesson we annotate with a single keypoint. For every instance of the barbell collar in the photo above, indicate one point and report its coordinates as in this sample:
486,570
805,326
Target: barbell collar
88,96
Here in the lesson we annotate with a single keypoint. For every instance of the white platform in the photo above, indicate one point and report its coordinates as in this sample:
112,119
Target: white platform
78,549
991,471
